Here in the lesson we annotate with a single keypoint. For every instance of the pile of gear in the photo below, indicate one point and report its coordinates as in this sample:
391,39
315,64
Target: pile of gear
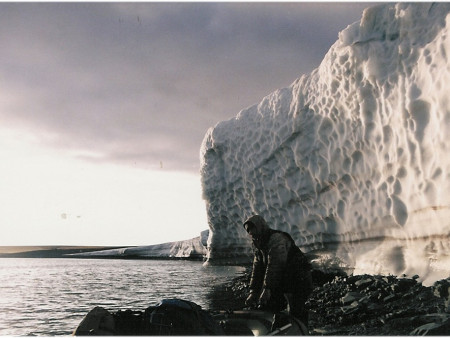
177,317
172,317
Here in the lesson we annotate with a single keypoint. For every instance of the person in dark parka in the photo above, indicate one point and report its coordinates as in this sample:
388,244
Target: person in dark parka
281,273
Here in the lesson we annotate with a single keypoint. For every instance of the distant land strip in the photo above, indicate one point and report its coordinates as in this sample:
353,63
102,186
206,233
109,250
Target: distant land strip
49,251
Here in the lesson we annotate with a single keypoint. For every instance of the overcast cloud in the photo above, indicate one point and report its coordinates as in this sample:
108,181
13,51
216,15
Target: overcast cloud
140,83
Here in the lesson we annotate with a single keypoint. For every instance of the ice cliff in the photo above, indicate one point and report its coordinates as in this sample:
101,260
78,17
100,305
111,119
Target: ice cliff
194,248
354,153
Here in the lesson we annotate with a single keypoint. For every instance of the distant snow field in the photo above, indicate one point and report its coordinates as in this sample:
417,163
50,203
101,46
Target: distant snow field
357,150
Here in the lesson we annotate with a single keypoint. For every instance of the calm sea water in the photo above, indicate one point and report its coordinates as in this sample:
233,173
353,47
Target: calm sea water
51,296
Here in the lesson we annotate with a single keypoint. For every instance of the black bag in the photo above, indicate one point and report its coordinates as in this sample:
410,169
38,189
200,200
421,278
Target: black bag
176,317
128,323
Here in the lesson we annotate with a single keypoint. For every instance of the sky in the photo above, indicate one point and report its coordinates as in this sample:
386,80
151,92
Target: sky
104,106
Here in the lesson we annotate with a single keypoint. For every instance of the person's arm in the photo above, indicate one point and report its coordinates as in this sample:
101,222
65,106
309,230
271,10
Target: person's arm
256,280
278,249
257,276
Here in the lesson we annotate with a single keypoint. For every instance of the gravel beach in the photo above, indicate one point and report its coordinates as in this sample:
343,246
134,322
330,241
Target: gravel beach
361,305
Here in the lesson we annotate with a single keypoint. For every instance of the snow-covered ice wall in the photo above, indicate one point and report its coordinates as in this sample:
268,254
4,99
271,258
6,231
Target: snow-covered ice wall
356,151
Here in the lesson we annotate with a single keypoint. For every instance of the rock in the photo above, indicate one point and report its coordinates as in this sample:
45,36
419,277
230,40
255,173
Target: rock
441,289
405,284
363,283
352,308
389,298
338,307
432,329
351,297
353,279
374,307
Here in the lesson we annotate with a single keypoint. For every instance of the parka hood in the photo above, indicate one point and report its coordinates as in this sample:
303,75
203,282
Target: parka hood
259,222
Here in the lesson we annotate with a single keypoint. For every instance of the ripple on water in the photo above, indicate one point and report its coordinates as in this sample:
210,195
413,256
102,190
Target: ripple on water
51,296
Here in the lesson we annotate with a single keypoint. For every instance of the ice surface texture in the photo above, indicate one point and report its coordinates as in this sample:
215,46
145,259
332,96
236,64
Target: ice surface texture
356,150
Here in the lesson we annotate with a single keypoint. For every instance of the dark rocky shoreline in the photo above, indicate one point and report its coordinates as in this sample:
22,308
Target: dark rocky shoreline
361,305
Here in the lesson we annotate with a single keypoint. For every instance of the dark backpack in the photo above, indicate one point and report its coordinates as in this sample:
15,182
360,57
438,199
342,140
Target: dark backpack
128,323
176,317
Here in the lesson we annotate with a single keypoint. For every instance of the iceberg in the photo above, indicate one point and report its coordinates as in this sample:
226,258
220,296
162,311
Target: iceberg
351,159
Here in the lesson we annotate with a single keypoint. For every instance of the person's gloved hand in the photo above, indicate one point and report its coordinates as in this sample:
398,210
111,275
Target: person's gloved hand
264,298
252,298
